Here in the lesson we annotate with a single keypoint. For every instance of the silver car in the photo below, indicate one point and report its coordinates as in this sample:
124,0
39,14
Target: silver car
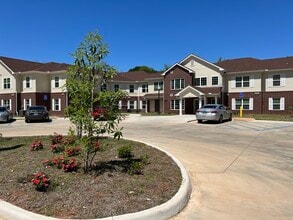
5,114
213,112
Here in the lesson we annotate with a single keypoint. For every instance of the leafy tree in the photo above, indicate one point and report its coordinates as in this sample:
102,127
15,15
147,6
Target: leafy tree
143,68
84,79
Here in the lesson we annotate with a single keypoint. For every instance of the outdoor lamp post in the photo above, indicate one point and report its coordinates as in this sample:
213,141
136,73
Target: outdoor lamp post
159,88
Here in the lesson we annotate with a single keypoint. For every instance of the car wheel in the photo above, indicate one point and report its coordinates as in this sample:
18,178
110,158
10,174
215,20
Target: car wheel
199,121
221,119
27,121
7,119
230,118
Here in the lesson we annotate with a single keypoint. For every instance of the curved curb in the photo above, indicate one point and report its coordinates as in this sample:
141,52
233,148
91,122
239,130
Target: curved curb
163,211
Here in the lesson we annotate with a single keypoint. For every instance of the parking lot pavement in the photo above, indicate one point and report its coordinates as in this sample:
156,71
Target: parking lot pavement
239,170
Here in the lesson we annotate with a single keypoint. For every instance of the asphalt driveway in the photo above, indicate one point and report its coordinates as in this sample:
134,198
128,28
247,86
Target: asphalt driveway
239,170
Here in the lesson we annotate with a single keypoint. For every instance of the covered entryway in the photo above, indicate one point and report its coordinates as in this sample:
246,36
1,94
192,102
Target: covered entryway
192,97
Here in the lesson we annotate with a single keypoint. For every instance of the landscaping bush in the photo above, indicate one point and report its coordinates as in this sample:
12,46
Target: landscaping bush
125,152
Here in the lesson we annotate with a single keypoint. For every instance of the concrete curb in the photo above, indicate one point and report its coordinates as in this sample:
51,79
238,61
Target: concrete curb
163,211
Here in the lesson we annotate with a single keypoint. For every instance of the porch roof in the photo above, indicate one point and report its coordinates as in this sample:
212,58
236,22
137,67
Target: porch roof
189,92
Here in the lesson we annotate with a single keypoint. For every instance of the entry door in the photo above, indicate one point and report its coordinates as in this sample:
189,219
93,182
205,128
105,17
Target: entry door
189,107
157,105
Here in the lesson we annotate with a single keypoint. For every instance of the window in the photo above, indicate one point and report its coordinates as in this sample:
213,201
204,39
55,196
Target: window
276,80
6,83
116,87
175,105
131,88
27,82
7,103
131,104
145,88
27,103
242,81
246,103
143,104
56,79
215,81
177,83
277,103
201,81
158,86
56,104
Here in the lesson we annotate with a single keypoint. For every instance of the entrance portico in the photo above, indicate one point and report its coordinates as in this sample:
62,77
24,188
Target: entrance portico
190,92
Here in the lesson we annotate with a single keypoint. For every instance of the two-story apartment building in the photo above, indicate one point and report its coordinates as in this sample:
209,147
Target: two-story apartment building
25,83
260,86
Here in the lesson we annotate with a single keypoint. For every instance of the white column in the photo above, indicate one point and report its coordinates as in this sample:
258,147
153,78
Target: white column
180,106
216,100
199,102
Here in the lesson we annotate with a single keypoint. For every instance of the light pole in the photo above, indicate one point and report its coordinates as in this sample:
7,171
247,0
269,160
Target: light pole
159,88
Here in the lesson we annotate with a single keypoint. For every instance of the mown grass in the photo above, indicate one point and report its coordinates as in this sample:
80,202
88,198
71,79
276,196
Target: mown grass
269,117
108,189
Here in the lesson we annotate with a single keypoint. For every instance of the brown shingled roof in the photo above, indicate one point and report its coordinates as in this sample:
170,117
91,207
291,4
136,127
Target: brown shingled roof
250,64
136,76
17,65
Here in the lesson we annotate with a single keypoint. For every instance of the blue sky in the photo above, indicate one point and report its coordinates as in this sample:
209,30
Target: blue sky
147,32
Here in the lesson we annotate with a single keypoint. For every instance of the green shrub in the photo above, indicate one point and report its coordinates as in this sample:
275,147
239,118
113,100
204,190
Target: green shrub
125,152
136,167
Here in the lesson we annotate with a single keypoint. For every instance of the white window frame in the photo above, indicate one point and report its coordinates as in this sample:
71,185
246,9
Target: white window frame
56,82
157,85
250,82
131,104
6,84
234,102
270,80
28,82
213,77
56,102
26,103
281,101
144,88
4,103
131,88
174,104
174,82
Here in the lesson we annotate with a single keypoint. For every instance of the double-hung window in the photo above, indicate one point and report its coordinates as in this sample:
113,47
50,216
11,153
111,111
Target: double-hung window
277,103
131,88
145,88
201,81
242,81
215,81
276,80
158,86
6,83
177,84
27,82
56,81
116,87
246,103
56,104
175,104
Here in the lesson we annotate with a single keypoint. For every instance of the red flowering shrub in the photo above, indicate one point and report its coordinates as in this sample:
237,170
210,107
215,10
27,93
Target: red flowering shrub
57,148
69,140
72,151
67,165
56,138
41,181
36,145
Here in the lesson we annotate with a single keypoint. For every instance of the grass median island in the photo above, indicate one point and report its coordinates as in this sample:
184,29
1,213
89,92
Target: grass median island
112,187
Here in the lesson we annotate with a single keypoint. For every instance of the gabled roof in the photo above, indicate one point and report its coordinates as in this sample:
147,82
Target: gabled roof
251,64
203,61
136,76
177,64
18,65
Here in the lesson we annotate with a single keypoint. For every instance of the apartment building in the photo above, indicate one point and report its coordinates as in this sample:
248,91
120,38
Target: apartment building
260,86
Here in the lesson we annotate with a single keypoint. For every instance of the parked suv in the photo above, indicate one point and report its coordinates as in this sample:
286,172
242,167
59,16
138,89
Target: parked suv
36,113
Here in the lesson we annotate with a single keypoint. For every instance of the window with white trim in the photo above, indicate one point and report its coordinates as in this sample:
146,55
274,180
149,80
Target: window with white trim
276,80
56,81
27,103
177,84
131,88
131,104
56,104
6,103
201,81
175,104
145,88
143,104
158,86
215,80
27,82
246,103
6,83
242,81
277,103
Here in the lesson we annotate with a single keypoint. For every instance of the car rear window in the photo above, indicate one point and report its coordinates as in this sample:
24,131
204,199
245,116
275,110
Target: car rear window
37,108
2,109
210,106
